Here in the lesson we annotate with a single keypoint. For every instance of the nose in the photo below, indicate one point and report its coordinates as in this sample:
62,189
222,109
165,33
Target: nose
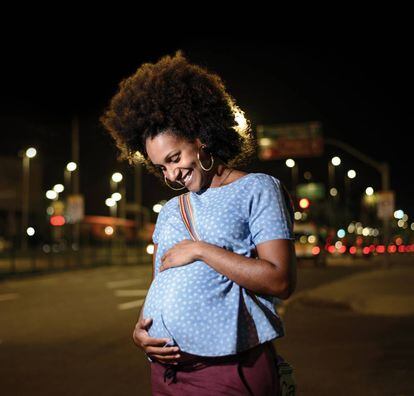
173,174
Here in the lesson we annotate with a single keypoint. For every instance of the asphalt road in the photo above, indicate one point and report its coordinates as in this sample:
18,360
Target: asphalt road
70,334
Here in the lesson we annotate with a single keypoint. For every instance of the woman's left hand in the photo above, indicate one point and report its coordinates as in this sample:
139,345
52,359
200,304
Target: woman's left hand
182,253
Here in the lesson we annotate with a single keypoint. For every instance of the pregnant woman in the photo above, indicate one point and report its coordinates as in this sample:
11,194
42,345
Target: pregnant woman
209,318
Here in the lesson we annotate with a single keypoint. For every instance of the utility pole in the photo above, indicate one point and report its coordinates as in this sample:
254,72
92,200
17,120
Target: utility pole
75,158
25,199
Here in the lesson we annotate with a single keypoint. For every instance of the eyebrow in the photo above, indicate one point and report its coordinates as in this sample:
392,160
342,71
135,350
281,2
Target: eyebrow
169,155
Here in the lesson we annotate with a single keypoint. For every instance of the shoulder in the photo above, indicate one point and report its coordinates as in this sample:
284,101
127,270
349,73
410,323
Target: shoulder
169,205
264,187
264,181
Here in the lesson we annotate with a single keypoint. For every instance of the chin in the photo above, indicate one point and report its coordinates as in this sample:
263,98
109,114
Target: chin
194,185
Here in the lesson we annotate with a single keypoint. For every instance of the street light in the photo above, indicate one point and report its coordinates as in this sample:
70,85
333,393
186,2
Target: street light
351,174
30,231
27,156
117,177
116,196
333,192
369,191
31,152
58,188
111,203
52,194
71,166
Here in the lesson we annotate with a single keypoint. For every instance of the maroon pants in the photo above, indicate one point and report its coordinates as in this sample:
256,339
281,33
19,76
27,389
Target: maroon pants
249,373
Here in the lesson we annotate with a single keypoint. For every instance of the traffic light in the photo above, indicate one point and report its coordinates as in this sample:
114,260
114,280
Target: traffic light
57,220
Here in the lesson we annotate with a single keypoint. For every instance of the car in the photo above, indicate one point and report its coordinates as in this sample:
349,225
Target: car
308,244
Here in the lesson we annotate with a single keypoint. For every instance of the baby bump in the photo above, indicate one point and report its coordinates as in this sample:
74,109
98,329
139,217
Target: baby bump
190,304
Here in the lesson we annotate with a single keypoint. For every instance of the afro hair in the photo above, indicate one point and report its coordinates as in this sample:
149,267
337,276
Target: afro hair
185,99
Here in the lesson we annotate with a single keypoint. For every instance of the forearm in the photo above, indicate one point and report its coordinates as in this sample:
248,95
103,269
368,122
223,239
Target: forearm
257,275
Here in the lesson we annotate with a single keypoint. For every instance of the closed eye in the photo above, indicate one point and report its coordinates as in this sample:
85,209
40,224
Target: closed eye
174,159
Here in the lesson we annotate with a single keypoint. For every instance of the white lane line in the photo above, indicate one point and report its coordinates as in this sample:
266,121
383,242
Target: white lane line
131,293
121,283
9,296
131,304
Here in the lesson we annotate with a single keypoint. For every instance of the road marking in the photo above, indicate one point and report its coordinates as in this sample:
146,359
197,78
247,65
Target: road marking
9,296
131,293
121,283
131,304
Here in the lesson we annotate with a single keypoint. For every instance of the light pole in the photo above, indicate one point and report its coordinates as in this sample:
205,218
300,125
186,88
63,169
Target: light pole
333,191
351,174
116,178
27,156
332,164
111,203
70,167
290,163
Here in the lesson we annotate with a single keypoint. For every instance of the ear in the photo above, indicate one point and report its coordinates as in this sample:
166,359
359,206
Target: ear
198,143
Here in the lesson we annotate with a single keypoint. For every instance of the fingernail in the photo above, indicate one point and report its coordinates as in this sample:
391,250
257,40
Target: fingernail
177,356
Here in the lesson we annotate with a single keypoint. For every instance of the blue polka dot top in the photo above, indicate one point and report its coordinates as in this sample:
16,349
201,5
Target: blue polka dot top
201,310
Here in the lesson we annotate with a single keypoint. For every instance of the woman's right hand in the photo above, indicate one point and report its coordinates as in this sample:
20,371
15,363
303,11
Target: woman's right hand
154,347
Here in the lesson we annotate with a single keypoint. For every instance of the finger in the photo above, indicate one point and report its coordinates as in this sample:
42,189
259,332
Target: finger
165,359
169,351
164,267
155,342
146,323
143,321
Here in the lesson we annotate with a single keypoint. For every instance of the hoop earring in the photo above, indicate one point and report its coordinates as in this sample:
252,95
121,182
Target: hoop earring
211,157
172,188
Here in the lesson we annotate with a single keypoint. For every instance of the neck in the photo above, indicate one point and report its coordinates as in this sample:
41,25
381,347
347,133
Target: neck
220,174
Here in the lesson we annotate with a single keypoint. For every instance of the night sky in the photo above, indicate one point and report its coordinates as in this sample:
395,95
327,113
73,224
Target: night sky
359,90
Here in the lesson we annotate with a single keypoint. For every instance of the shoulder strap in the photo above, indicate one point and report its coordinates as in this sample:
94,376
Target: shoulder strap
188,216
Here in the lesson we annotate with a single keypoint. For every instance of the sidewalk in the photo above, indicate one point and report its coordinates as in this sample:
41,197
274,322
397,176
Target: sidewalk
382,291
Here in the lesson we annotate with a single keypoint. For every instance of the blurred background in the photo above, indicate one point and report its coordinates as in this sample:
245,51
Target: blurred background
333,124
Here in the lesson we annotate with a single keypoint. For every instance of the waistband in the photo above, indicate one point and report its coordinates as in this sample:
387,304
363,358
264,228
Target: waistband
193,362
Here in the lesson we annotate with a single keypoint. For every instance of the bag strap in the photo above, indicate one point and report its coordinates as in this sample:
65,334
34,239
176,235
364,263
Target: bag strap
188,216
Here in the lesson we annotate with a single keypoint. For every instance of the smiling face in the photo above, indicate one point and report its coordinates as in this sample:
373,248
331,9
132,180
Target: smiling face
177,160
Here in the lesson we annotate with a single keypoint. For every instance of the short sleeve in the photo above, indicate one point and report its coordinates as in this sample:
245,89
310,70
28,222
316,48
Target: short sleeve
159,224
271,211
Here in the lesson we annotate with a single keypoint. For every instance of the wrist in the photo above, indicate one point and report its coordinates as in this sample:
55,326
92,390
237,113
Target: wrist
199,251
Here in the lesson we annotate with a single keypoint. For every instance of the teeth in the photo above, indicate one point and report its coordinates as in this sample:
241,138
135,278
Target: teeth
187,177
